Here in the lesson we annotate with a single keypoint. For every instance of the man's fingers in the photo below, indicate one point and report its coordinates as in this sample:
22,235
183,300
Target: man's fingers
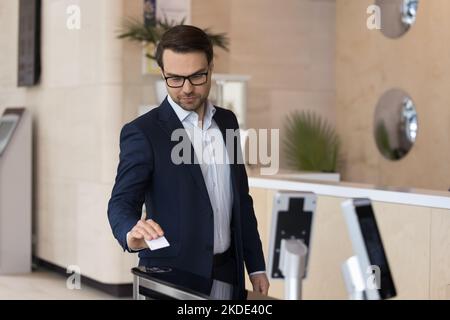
260,284
149,230
155,227
265,287
148,235
136,234
262,288
265,290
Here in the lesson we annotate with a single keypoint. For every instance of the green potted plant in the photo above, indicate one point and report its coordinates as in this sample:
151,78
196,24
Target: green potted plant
151,32
311,143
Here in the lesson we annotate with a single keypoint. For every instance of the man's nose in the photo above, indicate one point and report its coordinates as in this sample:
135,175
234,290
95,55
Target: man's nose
187,86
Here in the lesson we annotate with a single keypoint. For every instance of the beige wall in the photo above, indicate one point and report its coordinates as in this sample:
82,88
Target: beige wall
368,64
77,109
287,48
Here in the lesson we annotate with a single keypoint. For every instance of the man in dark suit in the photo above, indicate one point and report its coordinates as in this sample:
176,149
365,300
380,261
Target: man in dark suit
201,204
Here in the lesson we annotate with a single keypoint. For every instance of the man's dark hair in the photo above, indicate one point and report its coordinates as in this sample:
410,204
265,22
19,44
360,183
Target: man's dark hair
184,39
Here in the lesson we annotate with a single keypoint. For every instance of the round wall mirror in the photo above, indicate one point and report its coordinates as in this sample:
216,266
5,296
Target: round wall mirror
397,16
395,125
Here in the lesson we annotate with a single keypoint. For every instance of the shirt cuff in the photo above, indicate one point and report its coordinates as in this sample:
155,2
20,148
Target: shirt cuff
256,272
133,250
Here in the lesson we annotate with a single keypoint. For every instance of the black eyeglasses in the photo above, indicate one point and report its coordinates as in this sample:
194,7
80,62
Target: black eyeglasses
196,79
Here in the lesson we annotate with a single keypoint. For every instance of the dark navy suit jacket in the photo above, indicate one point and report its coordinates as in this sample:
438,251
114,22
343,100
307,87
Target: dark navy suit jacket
177,199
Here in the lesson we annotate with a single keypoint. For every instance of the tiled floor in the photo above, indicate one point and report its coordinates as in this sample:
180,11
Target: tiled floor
43,284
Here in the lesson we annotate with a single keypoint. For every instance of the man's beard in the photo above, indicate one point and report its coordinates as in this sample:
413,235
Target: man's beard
192,107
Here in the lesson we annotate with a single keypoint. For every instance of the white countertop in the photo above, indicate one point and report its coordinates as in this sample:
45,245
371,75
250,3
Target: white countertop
409,196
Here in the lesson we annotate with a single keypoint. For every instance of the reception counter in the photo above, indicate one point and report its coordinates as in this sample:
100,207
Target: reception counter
413,223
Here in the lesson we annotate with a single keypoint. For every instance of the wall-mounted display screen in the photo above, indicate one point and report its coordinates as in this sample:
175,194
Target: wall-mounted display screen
29,67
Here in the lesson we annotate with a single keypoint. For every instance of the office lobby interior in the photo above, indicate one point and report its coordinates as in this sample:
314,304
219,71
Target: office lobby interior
345,126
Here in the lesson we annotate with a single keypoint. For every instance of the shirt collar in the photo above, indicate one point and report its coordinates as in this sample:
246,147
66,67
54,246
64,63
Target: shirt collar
192,116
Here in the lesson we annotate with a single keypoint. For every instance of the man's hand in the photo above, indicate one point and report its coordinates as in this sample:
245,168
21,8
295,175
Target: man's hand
143,230
260,283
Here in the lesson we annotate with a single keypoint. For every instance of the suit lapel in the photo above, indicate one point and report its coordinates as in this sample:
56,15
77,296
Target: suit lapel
232,149
170,123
